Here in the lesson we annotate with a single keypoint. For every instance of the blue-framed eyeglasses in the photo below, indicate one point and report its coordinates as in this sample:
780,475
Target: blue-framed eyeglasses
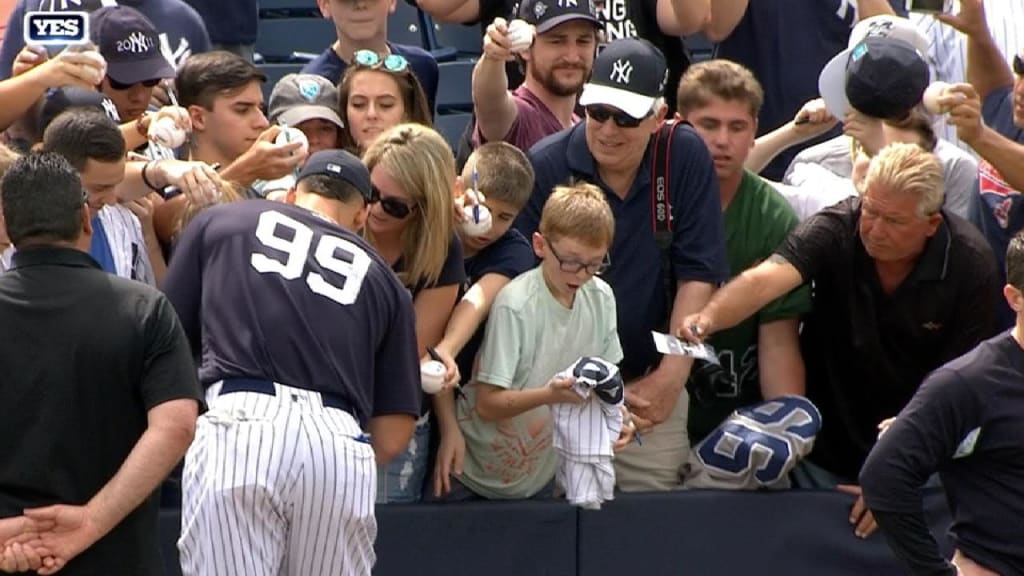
391,62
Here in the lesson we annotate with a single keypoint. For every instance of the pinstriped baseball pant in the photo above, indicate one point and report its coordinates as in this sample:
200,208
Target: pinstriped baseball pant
277,485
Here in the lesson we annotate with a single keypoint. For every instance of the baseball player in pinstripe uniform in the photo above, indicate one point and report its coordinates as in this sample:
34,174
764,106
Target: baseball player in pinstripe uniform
309,361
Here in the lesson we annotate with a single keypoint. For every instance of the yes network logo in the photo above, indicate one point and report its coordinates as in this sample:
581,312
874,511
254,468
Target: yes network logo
56,28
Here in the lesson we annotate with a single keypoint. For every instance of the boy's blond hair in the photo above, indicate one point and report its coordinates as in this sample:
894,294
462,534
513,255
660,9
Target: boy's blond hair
503,173
578,212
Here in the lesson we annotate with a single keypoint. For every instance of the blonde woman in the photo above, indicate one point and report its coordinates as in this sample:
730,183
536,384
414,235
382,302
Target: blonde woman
412,226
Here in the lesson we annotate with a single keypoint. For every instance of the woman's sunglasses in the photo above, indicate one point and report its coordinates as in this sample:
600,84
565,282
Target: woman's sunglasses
119,86
392,206
391,62
600,114
1018,65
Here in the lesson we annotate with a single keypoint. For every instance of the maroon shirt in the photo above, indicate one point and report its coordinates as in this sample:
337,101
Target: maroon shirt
534,121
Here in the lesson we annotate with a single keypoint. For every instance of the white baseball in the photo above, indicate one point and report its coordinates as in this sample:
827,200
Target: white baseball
931,96
166,132
432,376
520,35
471,226
289,134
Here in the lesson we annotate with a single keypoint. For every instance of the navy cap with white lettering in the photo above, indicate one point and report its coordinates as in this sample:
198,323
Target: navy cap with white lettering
546,14
341,165
130,44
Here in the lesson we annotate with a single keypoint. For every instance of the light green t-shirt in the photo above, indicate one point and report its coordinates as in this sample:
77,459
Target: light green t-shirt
756,222
529,338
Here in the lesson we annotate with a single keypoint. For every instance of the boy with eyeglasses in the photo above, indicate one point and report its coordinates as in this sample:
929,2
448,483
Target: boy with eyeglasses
540,323
363,25
615,150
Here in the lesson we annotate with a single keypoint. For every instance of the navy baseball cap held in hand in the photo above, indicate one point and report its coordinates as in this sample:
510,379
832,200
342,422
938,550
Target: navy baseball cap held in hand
546,14
629,74
341,165
886,78
130,44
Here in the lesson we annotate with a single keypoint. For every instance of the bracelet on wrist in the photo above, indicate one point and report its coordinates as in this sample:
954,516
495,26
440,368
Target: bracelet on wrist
145,176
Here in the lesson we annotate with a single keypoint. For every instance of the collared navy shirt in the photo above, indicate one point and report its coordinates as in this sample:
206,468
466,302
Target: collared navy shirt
698,239
866,352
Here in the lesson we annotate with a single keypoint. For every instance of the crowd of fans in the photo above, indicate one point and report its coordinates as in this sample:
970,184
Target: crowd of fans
837,246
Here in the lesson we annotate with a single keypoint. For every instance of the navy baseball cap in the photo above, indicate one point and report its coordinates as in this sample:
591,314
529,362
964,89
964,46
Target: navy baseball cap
341,165
61,99
629,74
886,78
130,44
546,14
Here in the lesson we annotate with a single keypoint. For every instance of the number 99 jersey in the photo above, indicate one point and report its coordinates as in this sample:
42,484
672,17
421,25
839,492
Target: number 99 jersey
273,291
755,447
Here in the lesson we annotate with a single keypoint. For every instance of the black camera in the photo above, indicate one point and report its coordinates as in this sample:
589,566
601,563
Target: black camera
709,381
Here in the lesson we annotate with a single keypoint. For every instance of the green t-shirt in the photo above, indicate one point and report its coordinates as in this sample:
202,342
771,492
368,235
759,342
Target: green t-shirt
529,338
756,222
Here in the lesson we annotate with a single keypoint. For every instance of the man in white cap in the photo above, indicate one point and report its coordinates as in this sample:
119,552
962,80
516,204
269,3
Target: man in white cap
624,109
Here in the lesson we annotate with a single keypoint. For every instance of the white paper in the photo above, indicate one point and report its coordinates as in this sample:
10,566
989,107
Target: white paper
671,345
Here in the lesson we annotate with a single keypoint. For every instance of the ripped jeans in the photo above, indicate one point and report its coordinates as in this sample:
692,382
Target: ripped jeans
401,480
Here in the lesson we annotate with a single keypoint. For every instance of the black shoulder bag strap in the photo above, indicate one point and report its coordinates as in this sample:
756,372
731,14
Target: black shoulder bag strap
661,209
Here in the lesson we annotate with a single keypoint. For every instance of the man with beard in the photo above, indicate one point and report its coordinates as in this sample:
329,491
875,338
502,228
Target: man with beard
557,64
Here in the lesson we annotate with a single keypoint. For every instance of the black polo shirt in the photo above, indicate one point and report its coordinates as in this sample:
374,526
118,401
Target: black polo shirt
867,352
84,356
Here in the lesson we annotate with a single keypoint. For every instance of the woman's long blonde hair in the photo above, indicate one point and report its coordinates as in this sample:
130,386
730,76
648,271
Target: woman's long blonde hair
421,162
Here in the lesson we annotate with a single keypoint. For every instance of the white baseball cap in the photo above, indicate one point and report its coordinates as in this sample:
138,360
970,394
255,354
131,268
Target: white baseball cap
832,80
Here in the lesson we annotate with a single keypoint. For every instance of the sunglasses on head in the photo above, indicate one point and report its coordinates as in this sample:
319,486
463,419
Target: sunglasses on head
119,86
600,114
1018,65
391,62
391,206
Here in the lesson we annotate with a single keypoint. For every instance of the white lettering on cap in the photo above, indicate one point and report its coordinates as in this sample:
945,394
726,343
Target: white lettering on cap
621,71
136,43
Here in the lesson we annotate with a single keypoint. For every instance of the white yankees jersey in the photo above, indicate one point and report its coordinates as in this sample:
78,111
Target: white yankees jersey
127,244
947,48
755,447
584,433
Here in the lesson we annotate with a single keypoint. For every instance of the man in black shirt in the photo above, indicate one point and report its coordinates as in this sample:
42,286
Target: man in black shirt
899,288
99,395
966,422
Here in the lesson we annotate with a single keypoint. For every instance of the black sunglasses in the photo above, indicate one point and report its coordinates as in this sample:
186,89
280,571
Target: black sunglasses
600,114
1018,65
119,86
391,206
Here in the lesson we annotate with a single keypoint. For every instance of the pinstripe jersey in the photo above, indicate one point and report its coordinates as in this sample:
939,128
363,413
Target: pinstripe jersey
127,244
947,48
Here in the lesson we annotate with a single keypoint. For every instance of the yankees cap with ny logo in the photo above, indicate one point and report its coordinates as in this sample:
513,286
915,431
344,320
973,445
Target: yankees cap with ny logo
130,44
629,74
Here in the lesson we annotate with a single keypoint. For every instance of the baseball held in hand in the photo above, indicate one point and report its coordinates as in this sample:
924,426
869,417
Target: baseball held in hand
520,35
166,132
931,96
432,376
289,134
476,220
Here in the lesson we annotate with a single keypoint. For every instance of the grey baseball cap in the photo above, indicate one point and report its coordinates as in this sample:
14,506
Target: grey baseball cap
300,97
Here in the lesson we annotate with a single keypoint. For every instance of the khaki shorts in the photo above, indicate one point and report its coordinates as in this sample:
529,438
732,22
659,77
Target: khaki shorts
657,464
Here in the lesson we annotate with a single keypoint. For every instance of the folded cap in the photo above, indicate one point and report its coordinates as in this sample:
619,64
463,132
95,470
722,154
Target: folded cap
130,44
629,74
832,80
300,97
546,14
341,165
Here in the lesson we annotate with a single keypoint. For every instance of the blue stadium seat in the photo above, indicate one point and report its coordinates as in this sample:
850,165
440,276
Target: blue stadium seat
465,40
274,73
451,126
454,86
700,47
283,39
406,25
